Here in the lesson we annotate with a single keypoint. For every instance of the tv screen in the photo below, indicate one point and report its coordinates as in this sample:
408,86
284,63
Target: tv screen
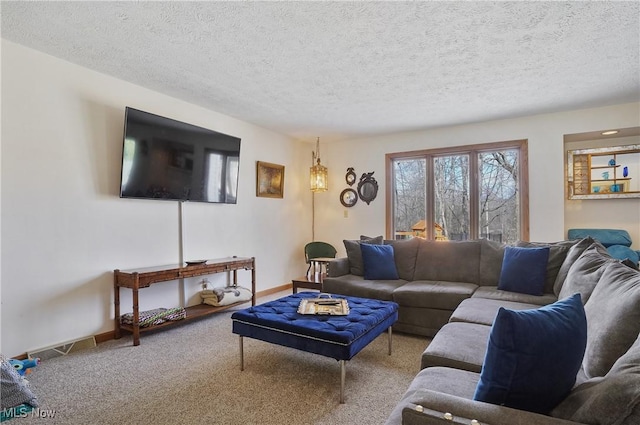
168,159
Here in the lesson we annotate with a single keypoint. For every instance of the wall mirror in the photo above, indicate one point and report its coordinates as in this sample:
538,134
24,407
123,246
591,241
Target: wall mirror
603,173
348,197
368,187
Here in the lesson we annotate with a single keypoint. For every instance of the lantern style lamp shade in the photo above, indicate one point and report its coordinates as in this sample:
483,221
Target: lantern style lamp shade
319,181
318,172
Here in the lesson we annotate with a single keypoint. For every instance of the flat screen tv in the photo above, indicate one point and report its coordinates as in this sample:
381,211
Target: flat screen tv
172,160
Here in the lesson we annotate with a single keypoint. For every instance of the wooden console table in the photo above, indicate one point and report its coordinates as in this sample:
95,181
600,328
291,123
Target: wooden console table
137,279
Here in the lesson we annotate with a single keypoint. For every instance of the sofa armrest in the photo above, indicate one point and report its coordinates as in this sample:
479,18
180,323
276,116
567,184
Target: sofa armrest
435,404
338,267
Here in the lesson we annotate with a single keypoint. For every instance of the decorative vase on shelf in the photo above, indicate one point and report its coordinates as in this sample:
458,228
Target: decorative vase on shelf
612,162
625,171
605,175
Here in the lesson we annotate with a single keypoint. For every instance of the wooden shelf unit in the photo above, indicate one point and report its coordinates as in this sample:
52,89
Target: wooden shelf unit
137,279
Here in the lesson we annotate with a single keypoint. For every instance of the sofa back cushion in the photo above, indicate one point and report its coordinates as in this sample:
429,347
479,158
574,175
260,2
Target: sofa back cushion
613,318
629,362
557,253
574,252
491,255
355,254
450,261
405,253
585,272
614,399
533,356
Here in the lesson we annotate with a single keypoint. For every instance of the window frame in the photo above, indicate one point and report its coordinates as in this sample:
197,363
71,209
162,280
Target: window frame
472,151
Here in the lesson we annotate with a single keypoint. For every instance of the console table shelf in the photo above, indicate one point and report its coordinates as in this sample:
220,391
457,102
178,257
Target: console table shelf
137,279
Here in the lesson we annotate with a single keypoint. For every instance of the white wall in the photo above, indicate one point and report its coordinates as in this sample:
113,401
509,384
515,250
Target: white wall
64,228
545,134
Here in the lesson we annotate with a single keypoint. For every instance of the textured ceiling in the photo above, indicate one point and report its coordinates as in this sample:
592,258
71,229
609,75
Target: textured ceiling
350,69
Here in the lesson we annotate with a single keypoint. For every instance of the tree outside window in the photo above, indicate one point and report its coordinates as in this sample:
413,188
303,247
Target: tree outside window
465,192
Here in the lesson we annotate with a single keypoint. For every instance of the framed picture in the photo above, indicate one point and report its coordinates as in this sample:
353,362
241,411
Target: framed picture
269,180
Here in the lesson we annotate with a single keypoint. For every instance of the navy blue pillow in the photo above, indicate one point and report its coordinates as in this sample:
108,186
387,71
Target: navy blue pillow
378,262
533,356
524,270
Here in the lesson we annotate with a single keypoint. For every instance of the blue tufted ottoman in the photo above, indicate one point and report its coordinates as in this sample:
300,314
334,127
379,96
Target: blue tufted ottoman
339,337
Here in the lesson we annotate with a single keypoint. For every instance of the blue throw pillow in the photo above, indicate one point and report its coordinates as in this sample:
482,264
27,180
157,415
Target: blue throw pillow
533,356
524,270
378,262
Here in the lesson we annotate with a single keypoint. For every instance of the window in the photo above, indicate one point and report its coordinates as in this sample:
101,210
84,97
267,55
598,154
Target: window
465,192
128,154
221,175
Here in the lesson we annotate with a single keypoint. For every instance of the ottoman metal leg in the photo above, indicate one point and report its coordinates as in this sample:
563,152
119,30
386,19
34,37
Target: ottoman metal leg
241,355
342,377
390,340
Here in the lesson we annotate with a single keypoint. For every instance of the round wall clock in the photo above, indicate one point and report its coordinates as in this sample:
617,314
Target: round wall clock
348,197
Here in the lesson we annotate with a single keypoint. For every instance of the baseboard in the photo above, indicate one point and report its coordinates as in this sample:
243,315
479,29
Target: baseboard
105,336
274,290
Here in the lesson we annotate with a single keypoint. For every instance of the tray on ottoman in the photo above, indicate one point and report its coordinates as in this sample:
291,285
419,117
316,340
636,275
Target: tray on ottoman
324,304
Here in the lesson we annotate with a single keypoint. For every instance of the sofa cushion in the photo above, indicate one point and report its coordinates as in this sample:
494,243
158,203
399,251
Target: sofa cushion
533,356
357,286
433,294
457,382
585,272
491,255
629,362
603,401
557,254
458,345
574,252
494,293
405,253
355,254
483,310
613,317
421,321
606,237
613,399
378,262
524,270
448,261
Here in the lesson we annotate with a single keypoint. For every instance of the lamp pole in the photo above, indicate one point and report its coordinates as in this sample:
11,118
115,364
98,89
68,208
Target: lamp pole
313,216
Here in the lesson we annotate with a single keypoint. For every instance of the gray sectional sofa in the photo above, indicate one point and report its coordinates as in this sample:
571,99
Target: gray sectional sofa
435,277
449,291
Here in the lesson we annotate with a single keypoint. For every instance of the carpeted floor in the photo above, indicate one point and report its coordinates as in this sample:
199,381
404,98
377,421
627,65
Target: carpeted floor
190,374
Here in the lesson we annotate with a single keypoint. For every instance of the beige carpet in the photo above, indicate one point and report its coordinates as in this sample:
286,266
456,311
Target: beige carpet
190,374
